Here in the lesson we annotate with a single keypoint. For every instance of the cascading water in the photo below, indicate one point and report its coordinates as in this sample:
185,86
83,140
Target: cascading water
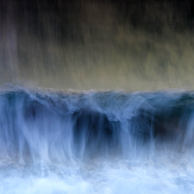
96,142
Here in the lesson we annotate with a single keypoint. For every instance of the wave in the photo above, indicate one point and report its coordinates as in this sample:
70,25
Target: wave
56,126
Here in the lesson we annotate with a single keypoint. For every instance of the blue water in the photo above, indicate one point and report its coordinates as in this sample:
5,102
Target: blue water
96,142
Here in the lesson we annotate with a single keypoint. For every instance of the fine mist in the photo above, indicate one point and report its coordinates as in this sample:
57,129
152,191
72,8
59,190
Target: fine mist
102,45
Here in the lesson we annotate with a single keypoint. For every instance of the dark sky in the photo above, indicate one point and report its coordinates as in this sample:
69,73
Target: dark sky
64,19
73,43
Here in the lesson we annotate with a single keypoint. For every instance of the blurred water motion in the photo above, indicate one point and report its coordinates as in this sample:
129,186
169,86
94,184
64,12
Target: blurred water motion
65,126
91,133
64,142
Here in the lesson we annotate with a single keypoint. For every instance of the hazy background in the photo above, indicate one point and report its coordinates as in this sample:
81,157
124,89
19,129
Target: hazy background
97,44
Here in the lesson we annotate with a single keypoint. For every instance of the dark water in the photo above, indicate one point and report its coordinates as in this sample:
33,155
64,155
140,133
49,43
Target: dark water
62,142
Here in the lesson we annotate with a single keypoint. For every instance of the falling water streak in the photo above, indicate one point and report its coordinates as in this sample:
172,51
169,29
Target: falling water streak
48,135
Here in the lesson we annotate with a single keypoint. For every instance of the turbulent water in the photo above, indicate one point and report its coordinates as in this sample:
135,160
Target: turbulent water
96,142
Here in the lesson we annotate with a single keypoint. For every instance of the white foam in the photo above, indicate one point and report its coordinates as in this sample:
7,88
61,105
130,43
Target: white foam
105,178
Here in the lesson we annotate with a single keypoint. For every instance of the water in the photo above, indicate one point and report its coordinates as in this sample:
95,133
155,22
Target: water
55,142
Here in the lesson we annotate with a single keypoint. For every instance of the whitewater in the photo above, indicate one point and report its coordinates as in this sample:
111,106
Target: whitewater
89,142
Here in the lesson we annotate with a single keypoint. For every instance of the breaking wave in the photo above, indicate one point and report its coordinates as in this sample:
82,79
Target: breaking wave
51,135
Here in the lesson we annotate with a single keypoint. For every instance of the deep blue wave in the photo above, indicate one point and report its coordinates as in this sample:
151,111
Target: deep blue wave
56,126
